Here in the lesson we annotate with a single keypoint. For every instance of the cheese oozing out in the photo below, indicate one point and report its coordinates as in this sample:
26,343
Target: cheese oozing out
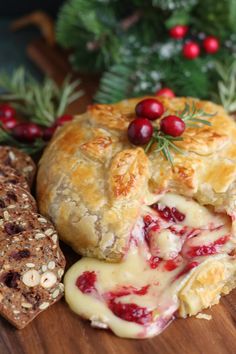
139,297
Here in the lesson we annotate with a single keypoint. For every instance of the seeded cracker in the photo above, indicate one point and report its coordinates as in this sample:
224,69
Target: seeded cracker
31,270
14,221
21,162
12,197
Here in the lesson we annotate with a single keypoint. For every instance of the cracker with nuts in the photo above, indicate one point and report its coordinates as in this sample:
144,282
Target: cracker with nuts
9,175
12,197
30,275
14,221
31,262
21,162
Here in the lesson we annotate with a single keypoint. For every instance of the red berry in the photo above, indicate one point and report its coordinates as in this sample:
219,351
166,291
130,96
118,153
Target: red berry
191,50
86,282
172,125
63,119
166,92
169,214
48,132
149,108
154,262
7,111
178,32
27,132
211,44
140,131
170,265
131,312
8,123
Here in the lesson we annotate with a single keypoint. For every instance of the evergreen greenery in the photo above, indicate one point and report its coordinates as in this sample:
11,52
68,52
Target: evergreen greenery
129,44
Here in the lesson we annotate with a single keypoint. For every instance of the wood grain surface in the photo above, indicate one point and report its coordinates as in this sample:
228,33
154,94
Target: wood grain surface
59,331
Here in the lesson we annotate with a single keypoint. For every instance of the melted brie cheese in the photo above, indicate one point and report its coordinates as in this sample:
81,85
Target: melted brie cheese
139,297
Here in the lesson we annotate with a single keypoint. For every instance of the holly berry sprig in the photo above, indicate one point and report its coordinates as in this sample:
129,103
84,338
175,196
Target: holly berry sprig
191,49
171,127
40,105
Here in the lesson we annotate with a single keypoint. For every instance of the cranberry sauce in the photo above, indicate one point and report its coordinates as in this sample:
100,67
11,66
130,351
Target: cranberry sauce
154,261
128,312
124,291
206,250
131,312
187,268
170,265
86,282
169,214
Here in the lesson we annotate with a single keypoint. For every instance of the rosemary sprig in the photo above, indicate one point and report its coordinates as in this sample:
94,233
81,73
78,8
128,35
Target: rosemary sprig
40,103
227,85
192,116
164,144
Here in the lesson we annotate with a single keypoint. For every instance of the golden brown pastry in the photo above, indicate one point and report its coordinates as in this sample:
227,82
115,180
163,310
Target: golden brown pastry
93,183
169,231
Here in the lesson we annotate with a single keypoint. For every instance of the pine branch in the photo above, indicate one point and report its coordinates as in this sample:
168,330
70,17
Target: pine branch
173,4
92,24
144,70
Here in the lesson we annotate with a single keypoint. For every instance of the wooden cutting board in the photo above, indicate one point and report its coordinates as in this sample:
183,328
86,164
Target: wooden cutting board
60,331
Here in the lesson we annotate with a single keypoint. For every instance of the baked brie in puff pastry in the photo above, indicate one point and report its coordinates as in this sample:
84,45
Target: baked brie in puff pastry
160,239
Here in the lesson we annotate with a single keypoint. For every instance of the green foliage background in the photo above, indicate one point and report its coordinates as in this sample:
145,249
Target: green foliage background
128,42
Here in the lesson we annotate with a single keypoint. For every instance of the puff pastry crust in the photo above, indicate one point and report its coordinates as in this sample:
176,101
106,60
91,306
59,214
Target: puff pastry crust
93,184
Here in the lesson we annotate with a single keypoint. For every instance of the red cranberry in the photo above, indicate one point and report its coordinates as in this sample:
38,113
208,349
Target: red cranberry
48,133
154,261
191,50
11,279
27,132
25,253
172,125
131,312
63,119
86,282
11,195
12,229
166,92
178,31
7,111
211,44
170,265
149,108
147,220
140,131
166,214
177,215
169,214
8,123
